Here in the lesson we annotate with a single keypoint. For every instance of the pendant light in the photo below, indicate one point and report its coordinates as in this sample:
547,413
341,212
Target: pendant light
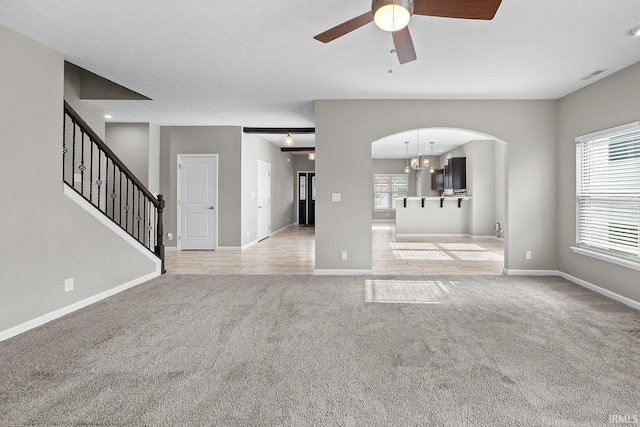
312,155
432,168
288,140
415,162
407,169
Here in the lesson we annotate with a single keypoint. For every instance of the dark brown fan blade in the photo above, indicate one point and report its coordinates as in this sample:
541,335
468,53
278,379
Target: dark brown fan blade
345,27
466,9
404,45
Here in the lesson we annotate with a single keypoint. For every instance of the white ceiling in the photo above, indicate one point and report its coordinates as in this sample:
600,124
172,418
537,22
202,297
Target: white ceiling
255,63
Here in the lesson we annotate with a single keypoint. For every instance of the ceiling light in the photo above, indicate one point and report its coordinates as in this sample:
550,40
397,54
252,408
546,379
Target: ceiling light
634,31
108,116
312,155
288,141
392,15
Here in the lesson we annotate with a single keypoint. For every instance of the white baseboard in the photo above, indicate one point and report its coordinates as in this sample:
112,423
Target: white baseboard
489,237
102,218
11,332
170,248
607,293
229,248
342,272
530,272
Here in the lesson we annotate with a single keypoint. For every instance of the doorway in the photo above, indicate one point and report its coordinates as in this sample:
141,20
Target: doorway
306,198
197,201
264,200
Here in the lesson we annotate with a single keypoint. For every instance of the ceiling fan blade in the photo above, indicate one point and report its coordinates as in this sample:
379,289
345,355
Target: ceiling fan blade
345,27
404,45
466,9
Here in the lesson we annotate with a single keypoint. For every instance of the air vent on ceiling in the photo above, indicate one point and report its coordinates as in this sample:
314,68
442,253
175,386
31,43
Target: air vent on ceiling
592,75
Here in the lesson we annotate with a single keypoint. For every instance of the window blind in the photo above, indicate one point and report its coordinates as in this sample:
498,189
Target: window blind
386,188
608,192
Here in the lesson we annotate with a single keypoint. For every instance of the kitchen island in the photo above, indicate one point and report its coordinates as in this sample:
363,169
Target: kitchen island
433,216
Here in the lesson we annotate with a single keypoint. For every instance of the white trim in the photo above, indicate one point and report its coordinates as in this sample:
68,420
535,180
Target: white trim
611,131
170,248
104,220
607,293
217,208
248,245
605,257
530,272
229,248
11,332
342,272
489,237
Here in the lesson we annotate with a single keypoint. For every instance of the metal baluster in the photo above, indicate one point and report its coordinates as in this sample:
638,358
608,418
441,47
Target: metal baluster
81,167
149,224
120,192
99,181
91,176
138,217
64,142
73,157
126,209
113,195
106,184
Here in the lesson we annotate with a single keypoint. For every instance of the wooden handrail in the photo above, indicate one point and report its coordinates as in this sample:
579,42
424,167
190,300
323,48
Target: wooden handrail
116,160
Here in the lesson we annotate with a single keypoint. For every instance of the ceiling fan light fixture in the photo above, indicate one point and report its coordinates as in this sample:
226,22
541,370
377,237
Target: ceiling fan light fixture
288,140
392,15
634,31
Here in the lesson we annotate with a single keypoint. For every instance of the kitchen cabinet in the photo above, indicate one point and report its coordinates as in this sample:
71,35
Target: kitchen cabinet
455,173
437,180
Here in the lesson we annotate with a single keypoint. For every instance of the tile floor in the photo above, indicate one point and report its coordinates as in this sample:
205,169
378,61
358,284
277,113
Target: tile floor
292,251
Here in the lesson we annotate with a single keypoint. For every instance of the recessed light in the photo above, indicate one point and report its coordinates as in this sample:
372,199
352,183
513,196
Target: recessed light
634,31
108,116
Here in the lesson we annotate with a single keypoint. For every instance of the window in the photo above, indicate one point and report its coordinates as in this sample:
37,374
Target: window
608,194
386,188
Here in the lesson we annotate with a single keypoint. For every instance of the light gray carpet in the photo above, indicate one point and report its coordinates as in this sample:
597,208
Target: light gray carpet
308,351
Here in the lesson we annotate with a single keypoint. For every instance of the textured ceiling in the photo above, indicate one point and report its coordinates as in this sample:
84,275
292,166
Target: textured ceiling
255,62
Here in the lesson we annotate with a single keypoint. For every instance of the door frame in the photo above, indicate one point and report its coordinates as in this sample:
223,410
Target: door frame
297,190
215,187
258,201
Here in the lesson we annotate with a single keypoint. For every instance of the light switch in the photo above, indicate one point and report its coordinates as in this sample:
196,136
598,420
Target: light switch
335,197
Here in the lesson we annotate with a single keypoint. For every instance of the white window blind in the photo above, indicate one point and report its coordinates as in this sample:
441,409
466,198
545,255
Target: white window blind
386,188
608,192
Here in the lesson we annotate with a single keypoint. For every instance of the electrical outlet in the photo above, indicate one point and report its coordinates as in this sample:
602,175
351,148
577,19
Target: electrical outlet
169,236
343,255
247,234
68,285
527,255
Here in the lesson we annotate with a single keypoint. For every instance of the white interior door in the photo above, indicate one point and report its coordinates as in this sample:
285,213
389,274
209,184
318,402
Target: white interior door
197,201
264,200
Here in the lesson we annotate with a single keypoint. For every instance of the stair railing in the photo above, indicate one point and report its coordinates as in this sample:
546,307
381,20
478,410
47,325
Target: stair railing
92,170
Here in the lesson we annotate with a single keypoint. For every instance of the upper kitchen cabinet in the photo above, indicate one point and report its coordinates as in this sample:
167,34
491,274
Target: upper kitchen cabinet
456,173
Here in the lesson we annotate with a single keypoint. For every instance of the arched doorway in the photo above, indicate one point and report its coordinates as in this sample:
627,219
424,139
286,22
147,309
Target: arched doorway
438,202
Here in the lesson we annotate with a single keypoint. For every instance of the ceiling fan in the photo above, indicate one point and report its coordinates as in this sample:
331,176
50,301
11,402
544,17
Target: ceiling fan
394,15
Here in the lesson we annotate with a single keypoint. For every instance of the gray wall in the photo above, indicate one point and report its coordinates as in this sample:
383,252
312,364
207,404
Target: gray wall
48,238
610,102
346,128
130,142
91,114
222,140
481,176
391,166
154,158
256,148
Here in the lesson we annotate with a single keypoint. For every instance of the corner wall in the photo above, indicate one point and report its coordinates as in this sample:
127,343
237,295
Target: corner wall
609,102
48,238
255,148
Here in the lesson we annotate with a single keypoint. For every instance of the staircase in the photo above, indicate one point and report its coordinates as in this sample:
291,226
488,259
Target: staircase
94,172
